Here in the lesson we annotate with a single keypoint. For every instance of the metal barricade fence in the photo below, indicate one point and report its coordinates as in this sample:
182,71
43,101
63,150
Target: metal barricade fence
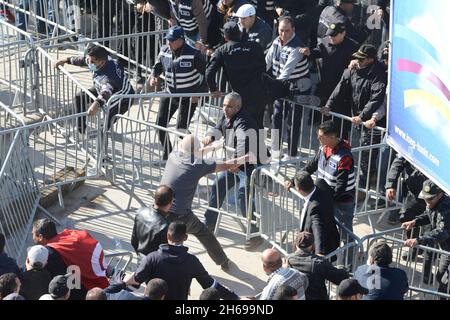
118,262
60,24
19,191
421,264
137,156
58,152
278,213
15,69
372,156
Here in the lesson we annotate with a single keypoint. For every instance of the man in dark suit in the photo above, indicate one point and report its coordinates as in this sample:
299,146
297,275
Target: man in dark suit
317,215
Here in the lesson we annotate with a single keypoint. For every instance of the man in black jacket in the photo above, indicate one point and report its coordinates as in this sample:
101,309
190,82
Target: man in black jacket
177,267
315,267
437,214
150,225
340,13
317,216
7,264
237,128
360,94
243,64
414,180
334,54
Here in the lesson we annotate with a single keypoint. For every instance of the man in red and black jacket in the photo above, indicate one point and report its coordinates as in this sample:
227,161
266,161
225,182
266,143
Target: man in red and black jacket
335,169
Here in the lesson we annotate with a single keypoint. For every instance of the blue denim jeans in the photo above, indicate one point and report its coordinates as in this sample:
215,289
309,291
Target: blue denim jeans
226,181
40,9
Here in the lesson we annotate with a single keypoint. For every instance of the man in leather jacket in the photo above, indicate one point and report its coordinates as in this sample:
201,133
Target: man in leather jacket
151,224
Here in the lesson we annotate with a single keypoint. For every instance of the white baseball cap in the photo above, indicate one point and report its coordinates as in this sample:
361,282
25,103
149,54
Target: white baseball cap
245,11
38,256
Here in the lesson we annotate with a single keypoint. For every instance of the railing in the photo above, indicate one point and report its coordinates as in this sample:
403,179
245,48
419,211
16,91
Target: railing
16,87
19,191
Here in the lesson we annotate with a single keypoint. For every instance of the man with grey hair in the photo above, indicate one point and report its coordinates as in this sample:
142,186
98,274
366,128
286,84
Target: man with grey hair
240,133
184,168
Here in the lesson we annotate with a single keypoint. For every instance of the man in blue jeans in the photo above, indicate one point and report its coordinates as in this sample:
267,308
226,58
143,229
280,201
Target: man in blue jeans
40,8
335,166
241,133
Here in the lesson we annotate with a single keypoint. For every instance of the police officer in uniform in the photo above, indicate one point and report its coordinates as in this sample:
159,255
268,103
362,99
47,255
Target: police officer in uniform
334,54
340,13
194,17
243,64
254,28
437,214
285,62
360,93
183,67
414,180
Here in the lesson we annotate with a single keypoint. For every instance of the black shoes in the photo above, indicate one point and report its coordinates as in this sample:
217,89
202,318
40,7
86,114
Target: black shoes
226,265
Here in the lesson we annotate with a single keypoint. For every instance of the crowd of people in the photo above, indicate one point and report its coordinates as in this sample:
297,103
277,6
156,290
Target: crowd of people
261,67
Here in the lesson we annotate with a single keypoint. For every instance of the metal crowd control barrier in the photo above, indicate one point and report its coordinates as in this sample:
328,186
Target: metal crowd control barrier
278,213
372,157
16,69
136,153
132,37
421,264
118,262
19,191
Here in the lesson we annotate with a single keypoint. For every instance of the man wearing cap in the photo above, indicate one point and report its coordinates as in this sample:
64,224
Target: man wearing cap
58,289
193,16
183,67
340,13
334,53
36,278
350,289
254,28
437,214
360,94
285,62
316,268
243,64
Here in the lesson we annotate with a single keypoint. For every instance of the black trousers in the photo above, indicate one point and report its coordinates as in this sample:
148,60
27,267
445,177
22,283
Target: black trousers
83,102
167,108
200,231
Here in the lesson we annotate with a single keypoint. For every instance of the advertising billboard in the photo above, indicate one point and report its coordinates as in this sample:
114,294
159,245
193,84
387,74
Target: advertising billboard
419,96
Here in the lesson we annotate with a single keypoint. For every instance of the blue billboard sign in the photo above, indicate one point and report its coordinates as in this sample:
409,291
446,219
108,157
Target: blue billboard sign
419,95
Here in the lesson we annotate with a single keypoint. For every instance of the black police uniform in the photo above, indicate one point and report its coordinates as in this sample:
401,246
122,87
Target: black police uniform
361,92
243,64
334,59
439,219
414,180
334,14
183,71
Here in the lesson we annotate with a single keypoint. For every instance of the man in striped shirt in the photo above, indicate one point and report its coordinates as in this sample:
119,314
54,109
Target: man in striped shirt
285,62
279,275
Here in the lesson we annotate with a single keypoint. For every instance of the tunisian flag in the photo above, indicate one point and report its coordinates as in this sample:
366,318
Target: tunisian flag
79,248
